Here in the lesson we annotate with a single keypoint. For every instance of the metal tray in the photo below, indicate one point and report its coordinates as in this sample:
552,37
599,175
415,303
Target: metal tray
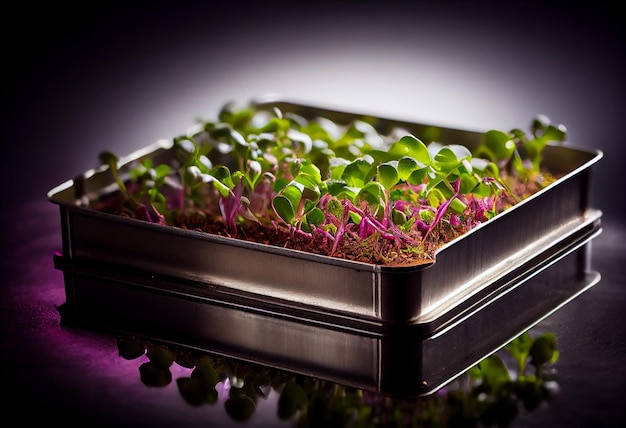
364,296
408,361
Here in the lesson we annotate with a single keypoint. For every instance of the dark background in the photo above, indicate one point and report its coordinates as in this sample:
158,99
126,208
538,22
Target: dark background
81,78
119,75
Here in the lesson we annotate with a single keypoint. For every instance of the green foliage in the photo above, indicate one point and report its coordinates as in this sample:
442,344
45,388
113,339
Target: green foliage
384,185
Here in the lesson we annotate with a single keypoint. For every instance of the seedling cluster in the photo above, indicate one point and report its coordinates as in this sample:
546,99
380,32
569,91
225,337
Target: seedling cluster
347,189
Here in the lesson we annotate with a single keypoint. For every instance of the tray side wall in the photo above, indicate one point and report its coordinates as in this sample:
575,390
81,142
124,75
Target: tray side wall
220,328
400,364
170,252
514,313
387,295
478,258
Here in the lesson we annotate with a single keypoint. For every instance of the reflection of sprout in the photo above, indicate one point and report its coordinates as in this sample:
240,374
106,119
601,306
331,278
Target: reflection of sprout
199,388
492,393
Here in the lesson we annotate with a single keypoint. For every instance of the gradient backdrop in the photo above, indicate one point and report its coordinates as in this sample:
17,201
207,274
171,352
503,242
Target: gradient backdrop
122,75
82,78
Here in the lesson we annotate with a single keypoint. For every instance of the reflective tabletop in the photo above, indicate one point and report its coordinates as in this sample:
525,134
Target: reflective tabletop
127,76
70,373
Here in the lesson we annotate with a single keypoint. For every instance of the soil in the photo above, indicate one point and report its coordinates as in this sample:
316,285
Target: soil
377,251
381,252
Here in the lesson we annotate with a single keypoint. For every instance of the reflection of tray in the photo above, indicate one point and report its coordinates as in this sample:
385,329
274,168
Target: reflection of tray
371,297
407,360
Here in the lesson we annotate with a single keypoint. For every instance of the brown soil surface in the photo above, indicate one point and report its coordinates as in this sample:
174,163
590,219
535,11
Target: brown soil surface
381,252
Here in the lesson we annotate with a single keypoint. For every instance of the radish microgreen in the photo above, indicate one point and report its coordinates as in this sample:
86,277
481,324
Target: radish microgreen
346,183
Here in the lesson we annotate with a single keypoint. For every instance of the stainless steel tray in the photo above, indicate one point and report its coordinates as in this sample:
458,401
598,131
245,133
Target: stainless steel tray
408,360
369,297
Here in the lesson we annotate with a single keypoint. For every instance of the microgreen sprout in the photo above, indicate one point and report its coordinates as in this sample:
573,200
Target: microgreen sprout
341,185
134,207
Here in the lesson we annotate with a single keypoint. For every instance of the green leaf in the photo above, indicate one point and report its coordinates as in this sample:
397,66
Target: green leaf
359,129
317,132
348,192
373,192
334,187
435,198
335,208
310,186
461,152
281,183
315,217
107,158
355,217
222,188
446,160
286,203
185,150
156,197
309,183
398,217
518,165
336,171
235,115
479,164
544,134
538,124
468,183
519,348
380,155
240,145
409,145
457,206
162,171
406,166
483,189
492,371
388,174
427,215
434,180
500,144
309,168
222,173
356,172
284,208
276,124
543,349
417,177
